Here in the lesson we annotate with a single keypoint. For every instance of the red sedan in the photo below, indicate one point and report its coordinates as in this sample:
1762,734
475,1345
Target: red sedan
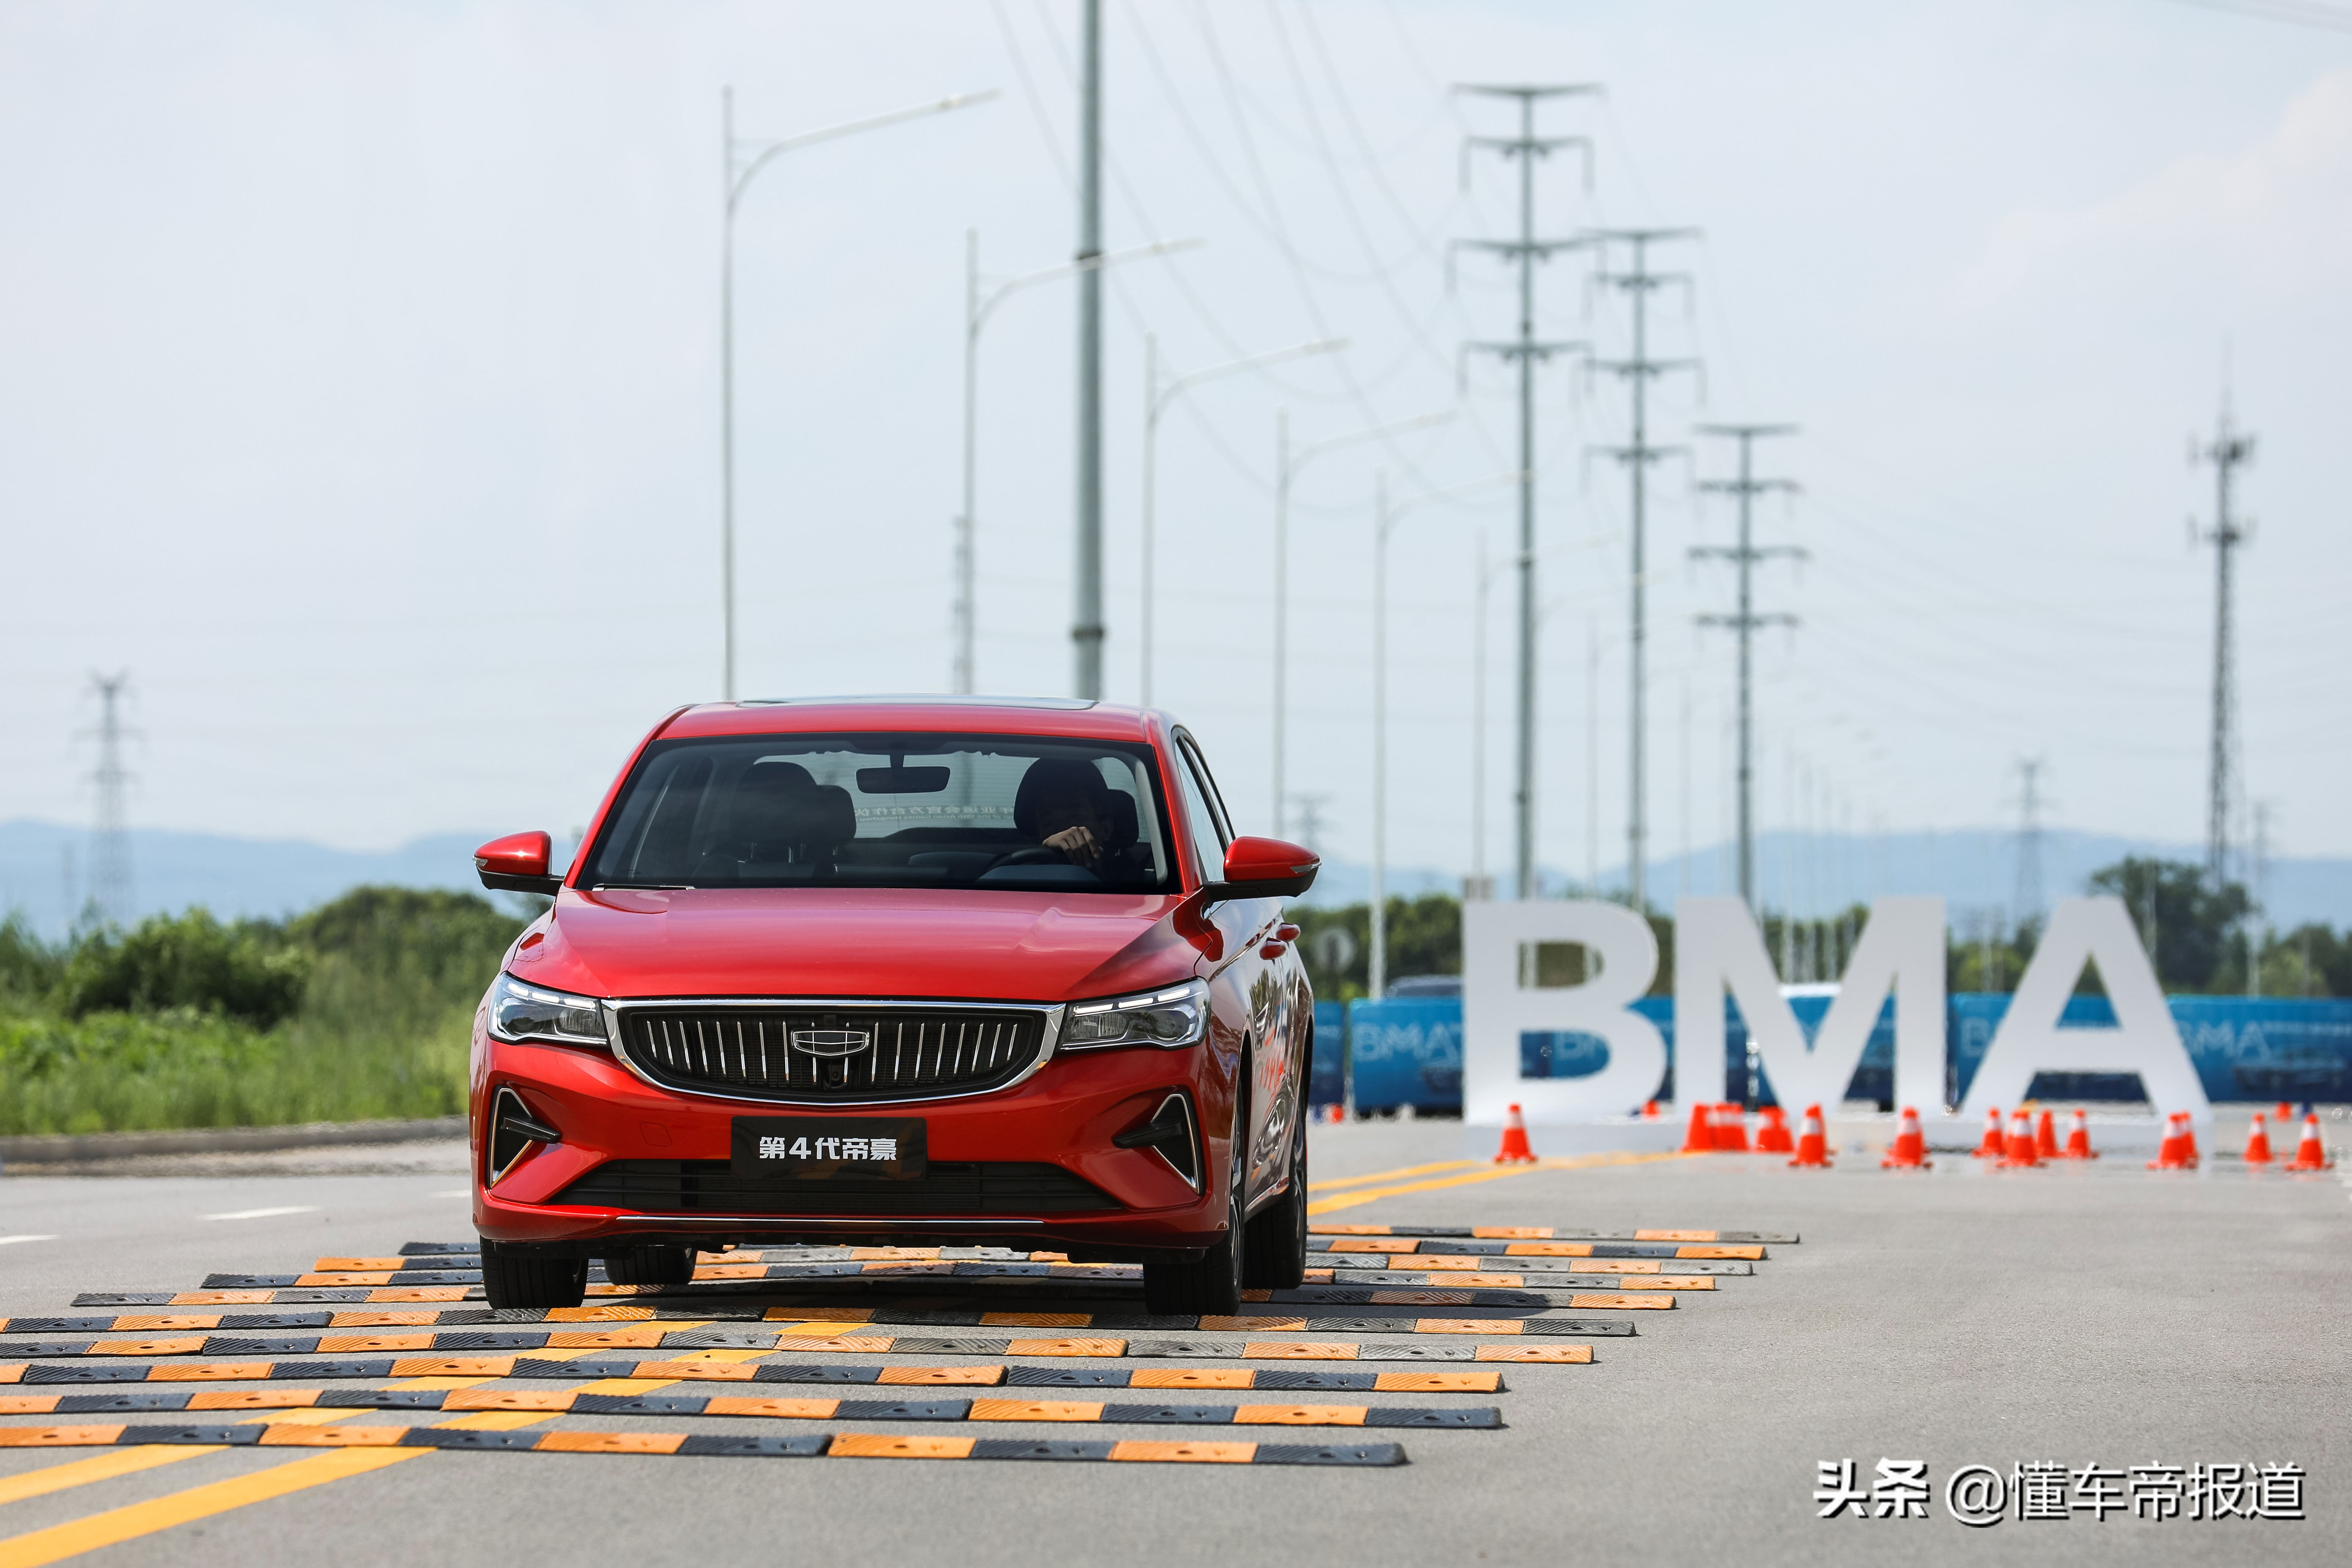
913,972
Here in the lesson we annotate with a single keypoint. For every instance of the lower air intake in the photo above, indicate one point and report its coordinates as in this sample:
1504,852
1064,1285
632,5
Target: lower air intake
947,1189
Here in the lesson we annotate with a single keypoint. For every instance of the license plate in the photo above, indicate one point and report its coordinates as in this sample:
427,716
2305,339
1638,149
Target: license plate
823,1148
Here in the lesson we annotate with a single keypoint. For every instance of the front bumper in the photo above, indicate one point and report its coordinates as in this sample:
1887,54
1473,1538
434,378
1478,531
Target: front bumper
1066,1115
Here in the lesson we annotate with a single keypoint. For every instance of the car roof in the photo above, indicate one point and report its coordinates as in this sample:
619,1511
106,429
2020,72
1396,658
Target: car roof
1074,717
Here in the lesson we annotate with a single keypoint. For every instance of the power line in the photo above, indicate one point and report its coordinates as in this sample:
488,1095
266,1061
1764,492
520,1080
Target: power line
1745,620
1639,282
2227,452
1527,250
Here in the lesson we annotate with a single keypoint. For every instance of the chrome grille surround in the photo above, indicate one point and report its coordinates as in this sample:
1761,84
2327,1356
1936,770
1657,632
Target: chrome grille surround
971,1048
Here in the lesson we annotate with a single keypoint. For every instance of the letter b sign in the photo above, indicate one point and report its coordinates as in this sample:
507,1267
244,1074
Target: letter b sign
1496,1008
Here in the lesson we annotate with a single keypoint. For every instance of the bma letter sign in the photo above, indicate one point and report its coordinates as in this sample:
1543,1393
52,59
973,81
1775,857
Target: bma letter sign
1719,951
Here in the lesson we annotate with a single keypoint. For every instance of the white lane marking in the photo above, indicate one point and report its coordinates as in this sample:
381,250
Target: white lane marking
6,1240
265,1214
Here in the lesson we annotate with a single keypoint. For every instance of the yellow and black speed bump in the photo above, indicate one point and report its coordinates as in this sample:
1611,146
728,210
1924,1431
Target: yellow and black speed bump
1613,1299
1551,1233
1394,1245
815,1445
1521,1263
1232,1378
1553,1286
573,1402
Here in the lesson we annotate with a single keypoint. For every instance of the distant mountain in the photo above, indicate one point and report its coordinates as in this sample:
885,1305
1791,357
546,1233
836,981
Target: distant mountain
1975,869
45,870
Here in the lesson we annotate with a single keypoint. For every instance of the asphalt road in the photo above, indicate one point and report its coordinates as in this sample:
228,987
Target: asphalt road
2090,1315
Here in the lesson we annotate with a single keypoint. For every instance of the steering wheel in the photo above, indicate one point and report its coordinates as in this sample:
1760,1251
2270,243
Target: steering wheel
1035,855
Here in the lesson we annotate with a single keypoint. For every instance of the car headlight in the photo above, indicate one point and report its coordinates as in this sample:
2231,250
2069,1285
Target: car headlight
520,1012
1176,1016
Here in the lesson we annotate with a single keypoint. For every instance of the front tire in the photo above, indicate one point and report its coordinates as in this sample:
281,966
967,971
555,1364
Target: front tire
1274,1252
1212,1287
515,1279
654,1265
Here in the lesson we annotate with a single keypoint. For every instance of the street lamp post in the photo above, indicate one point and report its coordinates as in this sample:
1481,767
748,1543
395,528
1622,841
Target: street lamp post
1156,401
1384,520
975,316
1286,465
741,162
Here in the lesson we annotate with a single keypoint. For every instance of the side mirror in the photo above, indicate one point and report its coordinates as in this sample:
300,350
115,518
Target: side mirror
1266,868
517,864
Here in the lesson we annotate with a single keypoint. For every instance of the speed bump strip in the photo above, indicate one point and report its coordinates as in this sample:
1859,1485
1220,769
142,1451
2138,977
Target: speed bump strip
1349,1295
1397,1246
1236,1378
84,1374
816,1445
790,1330
1554,1289
1552,1232
1520,1262
801,1320
559,1402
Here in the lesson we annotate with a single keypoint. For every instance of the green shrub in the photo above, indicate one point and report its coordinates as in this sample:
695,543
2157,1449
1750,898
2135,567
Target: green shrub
28,967
362,1008
189,961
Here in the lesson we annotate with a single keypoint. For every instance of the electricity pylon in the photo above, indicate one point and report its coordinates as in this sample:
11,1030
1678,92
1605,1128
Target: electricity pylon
1639,282
1527,250
1745,620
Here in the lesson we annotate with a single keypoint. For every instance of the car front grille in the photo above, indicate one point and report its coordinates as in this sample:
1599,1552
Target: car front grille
944,1189
832,1053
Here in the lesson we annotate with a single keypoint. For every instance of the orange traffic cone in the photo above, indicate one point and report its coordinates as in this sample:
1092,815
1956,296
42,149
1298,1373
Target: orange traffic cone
1649,1110
2046,1138
1812,1142
2078,1139
2178,1150
1910,1150
1515,1150
1700,1139
2311,1154
1992,1148
2284,1114
1730,1129
2258,1142
1773,1138
2020,1154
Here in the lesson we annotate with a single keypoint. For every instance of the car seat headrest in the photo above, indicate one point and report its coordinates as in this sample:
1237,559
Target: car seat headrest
1049,777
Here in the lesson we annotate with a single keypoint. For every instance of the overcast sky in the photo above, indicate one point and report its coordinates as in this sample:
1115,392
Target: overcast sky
359,394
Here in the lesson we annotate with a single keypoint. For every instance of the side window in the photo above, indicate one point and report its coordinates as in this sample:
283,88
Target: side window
1208,840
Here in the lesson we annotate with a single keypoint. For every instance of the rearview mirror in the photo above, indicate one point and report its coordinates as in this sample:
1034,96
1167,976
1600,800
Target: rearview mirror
901,781
1266,868
517,864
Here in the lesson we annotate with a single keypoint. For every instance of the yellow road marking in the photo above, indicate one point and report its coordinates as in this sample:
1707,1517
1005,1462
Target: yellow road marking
87,1534
116,1525
103,1468
1338,1182
1574,1162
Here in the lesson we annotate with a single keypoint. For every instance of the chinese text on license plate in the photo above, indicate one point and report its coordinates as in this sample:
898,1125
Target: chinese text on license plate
806,1148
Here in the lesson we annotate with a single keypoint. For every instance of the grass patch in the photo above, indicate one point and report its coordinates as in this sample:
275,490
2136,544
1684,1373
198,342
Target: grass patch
359,1010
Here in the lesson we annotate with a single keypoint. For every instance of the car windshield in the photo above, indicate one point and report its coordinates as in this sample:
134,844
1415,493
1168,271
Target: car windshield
1007,813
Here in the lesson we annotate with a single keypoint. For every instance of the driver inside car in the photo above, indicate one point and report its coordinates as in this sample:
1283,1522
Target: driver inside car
1074,813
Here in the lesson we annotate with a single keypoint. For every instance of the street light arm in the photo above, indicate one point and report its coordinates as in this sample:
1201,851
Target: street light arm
1301,457
1072,269
1255,362
847,128
1397,509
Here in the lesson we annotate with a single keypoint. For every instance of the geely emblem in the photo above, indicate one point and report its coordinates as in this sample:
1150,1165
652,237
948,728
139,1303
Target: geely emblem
831,1042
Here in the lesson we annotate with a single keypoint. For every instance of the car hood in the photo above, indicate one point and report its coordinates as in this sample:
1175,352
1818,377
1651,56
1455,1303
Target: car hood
865,941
